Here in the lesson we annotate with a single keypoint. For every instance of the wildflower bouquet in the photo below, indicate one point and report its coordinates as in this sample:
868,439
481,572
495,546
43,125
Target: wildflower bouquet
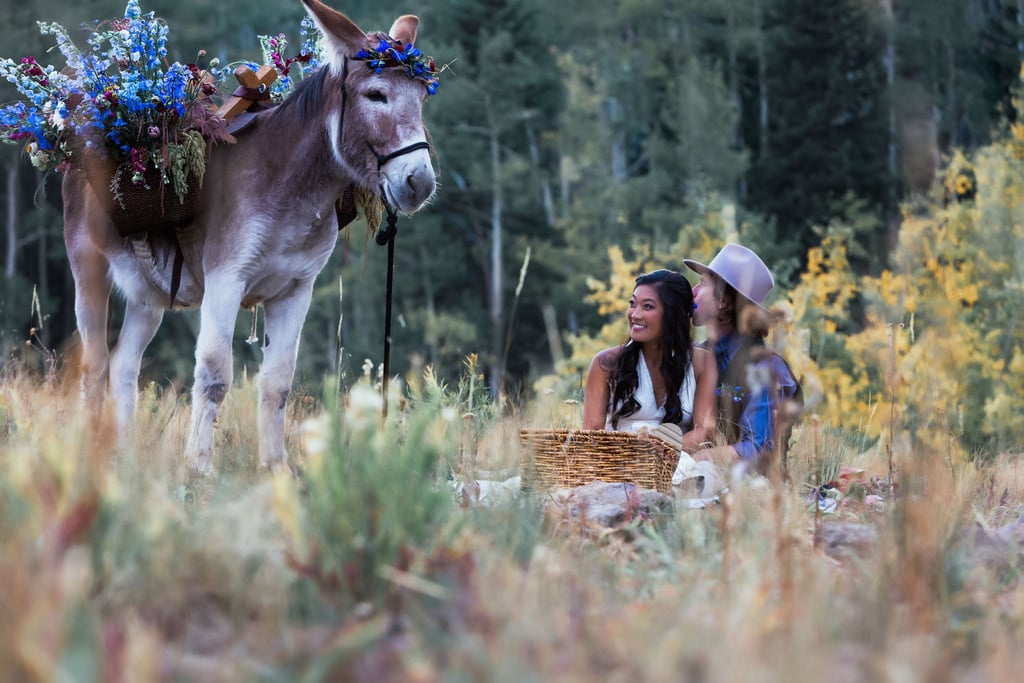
118,103
308,59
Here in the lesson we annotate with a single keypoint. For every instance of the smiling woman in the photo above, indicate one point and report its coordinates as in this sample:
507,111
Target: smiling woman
657,376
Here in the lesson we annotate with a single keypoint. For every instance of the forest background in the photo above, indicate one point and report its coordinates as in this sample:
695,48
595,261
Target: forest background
870,150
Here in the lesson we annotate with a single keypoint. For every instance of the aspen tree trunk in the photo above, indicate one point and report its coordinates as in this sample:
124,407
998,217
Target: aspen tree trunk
734,93
762,84
565,194
1020,22
890,82
951,117
554,338
495,303
547,200
891,220
12,220
618,143
431,310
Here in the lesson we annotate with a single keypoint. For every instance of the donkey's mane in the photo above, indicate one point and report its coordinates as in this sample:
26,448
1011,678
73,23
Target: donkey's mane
307,95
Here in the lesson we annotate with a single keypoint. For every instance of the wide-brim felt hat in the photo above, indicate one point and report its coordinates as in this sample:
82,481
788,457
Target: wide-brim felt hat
742,269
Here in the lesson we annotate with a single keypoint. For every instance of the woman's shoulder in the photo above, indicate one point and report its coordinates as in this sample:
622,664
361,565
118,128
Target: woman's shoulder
607,358
703,360
700,353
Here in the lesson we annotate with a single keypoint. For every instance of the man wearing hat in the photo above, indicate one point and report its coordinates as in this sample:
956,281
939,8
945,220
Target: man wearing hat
755,383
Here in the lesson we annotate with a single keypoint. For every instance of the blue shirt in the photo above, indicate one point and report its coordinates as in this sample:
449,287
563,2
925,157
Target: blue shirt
757,422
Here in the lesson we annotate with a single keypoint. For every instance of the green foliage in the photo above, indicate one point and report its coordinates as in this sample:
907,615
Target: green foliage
374,497
826,126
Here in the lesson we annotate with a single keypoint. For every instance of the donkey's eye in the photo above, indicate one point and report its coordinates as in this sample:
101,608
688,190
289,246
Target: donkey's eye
377,96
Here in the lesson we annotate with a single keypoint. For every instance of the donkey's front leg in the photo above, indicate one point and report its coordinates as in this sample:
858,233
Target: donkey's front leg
284,318
140,325
218,312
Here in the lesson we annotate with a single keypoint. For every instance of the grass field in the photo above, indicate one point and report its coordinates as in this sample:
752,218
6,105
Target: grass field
365,566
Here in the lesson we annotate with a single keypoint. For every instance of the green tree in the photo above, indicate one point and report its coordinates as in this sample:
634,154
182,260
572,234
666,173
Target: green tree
827,120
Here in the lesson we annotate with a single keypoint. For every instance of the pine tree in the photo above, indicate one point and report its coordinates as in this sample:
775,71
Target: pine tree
827,119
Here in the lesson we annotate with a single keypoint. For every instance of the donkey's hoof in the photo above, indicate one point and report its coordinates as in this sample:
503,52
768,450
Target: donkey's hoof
200,468
275,468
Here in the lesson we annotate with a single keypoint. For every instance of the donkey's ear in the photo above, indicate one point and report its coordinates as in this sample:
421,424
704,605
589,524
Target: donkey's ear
343,37
404,28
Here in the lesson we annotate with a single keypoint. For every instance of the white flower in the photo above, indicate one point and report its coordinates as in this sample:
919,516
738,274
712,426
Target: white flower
315,434
363,408
40,158
57,119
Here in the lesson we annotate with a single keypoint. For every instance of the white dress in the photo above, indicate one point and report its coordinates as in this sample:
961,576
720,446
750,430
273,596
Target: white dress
649,415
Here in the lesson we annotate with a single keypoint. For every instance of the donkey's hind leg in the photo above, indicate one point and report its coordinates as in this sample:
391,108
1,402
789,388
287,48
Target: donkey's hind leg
284,318
140,325
222,297
85,228
91,301
92,296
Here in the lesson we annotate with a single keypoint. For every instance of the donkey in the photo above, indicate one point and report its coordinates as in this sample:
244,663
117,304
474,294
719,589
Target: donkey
265,228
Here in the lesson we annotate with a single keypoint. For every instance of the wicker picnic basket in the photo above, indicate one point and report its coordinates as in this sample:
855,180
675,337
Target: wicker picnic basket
565,458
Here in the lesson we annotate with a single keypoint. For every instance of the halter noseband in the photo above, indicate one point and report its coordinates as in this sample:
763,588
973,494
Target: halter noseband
385,158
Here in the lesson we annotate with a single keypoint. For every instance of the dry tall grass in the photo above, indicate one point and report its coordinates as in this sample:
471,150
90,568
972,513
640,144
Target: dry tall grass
116,567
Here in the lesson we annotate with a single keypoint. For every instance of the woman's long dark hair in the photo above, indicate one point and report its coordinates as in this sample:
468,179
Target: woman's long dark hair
676,296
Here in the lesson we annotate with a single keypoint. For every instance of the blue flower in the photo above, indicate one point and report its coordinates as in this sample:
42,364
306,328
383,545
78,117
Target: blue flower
734,394
121,88
390,52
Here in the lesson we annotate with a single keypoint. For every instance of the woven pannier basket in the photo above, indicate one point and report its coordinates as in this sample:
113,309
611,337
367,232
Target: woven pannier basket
566,458
154,207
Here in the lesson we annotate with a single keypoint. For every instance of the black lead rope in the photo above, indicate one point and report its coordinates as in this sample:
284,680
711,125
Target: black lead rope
386,236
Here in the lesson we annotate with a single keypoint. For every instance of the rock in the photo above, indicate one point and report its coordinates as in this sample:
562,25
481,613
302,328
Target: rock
487,492
607,504
842,539
999,547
